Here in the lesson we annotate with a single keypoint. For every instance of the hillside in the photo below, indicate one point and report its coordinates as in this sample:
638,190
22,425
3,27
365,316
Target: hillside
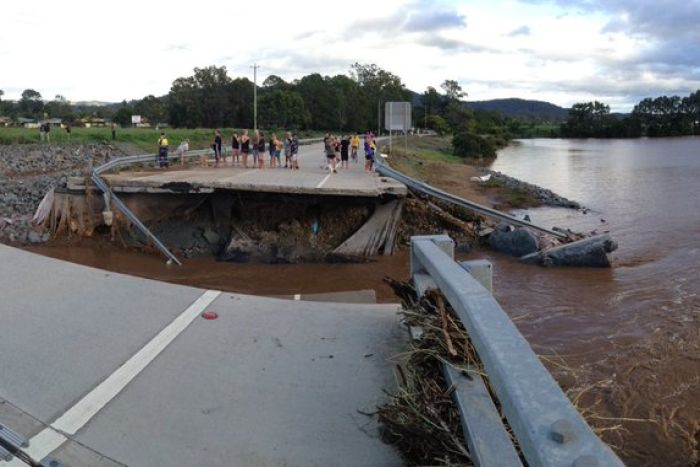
522,108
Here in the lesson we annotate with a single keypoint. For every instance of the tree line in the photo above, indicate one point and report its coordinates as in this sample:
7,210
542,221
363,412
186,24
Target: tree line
661,116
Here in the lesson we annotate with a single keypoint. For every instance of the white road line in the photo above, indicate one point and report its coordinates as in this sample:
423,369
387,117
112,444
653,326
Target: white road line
324,180
52,437
297,296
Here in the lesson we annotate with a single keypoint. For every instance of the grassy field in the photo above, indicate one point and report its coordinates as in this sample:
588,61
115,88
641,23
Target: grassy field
145,139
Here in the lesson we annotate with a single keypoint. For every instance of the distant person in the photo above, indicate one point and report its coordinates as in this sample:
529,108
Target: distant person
256,146
182,151
261,151
245,148
369,155
326,142
42,132
235,149
294,149
114,131
162,151
344,152
288,150
217,148
330,155
47,131
68,130
354,145
272,148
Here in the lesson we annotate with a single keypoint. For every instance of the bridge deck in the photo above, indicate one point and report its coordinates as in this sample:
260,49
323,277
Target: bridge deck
309,179
270,382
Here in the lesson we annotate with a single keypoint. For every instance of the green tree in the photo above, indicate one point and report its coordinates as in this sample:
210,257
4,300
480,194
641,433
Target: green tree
123,115
453,91
438,124
60,108
152,108
468,144
31,105
282,109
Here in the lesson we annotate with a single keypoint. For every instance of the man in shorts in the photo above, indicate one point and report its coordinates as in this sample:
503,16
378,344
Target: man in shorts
295,152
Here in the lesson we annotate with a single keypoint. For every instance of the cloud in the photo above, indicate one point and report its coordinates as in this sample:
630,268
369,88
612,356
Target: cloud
434,21
176,48
453,45
521,31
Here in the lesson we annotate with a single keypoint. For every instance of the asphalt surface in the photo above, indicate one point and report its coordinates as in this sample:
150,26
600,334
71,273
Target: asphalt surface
270,382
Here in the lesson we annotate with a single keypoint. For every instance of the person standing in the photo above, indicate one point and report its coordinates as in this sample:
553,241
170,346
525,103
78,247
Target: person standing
217,148
272,148
245,148
235,149
47,131
355,145
114,131
344,151
256,145
261,151
288,150
182,151
294,149
330,155
163,151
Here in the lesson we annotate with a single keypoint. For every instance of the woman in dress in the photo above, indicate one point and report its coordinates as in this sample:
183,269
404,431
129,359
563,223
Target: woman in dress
245,148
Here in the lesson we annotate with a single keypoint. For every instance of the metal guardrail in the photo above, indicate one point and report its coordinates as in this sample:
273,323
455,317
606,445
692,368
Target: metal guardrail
549,430
152,158
430,190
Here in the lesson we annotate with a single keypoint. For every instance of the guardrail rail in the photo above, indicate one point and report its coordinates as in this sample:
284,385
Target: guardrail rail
549,429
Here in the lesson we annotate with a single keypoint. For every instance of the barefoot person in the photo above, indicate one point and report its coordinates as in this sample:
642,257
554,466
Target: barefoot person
256,145
245,148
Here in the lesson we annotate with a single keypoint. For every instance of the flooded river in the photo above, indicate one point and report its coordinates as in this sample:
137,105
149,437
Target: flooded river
628,337
625,342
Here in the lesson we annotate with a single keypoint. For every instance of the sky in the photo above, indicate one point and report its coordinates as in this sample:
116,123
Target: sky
615,51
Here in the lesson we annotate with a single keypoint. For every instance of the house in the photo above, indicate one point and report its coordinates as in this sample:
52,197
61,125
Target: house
28,122
5,121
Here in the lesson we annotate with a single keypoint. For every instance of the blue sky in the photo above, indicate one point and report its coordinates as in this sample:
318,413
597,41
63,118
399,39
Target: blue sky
617,51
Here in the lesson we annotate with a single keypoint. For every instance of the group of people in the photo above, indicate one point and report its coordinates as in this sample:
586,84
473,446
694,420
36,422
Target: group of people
242,146
345,148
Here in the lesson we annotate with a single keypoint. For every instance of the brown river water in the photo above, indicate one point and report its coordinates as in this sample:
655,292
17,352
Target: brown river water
624,342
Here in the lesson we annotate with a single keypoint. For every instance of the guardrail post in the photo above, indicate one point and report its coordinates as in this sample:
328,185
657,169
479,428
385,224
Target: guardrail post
481,270
444,242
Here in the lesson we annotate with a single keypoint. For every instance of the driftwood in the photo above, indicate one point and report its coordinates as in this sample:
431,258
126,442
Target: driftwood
377,234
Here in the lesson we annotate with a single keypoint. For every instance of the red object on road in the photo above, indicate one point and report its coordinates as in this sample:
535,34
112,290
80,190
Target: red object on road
209,315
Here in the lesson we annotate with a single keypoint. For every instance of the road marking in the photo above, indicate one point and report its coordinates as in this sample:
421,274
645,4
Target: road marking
324,180
297,296
52,437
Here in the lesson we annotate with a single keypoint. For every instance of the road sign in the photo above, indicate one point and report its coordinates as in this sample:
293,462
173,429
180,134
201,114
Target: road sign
397,116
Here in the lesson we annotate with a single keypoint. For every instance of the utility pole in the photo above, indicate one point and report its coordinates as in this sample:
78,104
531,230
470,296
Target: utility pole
255,95
379,117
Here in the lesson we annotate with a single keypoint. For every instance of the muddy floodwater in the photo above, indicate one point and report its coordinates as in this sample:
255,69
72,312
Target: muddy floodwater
624,342
628,337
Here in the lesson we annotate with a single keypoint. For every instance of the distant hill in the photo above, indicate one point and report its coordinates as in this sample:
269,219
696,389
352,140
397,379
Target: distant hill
522,108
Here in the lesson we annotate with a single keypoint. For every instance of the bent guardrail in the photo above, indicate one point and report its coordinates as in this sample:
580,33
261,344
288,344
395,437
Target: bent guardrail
549,429
430,190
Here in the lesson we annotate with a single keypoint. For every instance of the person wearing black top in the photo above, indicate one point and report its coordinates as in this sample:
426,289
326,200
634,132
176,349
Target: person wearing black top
344,153
245,147
217,148
235,149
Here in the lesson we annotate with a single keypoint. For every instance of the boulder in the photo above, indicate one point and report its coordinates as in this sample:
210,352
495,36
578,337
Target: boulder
519,242
588,252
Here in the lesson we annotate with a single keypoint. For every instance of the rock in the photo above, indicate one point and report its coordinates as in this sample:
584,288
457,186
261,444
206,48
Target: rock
517,243
588,252
34,237
212,237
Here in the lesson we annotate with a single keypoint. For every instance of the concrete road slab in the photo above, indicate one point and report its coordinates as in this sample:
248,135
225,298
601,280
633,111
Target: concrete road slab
269,383
64,327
